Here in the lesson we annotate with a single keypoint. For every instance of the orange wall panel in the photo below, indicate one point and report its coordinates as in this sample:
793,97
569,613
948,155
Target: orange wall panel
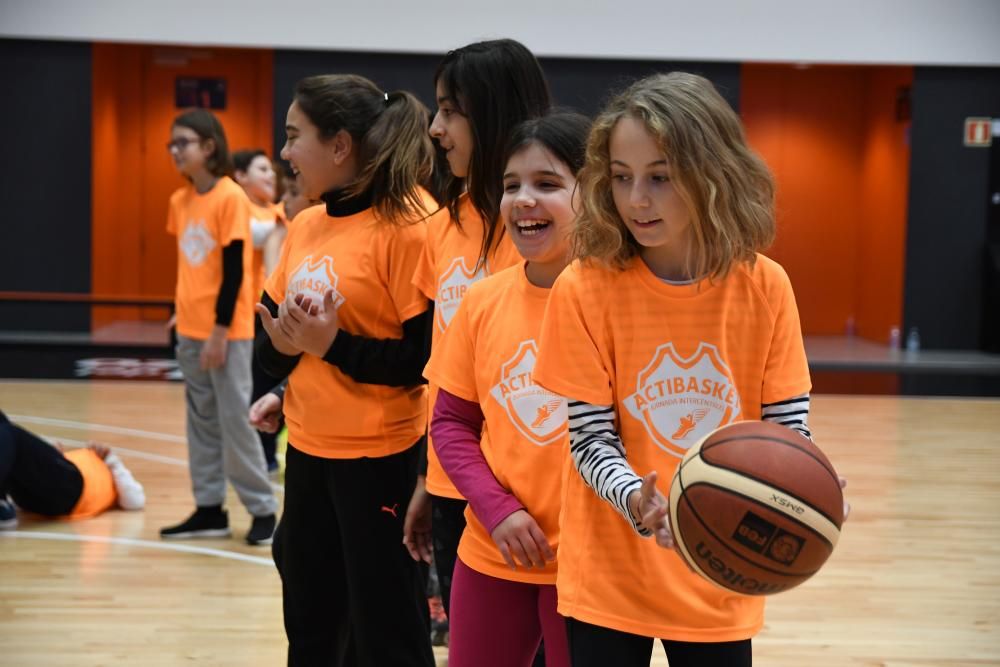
813,129
116,150
133,172
884,193
807,126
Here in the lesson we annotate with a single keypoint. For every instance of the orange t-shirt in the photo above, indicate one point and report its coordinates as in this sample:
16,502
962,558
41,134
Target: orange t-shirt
99,493
664,356
369,265
204,224
270,213
487,356
446,270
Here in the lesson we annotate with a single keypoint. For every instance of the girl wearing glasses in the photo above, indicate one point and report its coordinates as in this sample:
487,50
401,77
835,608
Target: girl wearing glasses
210,218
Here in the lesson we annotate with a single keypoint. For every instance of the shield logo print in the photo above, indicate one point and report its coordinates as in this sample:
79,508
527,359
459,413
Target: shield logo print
538,414
679,399
313,278
196,242
452,286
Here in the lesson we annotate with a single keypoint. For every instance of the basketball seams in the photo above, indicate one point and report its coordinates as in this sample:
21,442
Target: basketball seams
802,576
759,503
766,487
724,484
822,461
676,494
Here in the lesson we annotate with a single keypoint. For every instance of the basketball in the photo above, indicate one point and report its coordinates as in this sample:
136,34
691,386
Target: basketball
756,508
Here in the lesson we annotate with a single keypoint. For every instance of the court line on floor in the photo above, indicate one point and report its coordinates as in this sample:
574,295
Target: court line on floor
128,541
133,453
47,421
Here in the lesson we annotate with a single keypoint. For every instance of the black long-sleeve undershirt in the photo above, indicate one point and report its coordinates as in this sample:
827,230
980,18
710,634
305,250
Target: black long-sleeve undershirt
274,363
393,362
232,280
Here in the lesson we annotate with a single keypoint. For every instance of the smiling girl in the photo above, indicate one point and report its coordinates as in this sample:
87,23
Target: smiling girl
344,322
500,437
668,285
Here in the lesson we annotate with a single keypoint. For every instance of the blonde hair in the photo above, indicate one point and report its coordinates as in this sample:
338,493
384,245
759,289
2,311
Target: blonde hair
728,189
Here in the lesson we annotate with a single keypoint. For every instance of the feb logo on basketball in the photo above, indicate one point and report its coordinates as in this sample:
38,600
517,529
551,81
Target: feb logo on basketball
452,286
680,400
313,278
537,413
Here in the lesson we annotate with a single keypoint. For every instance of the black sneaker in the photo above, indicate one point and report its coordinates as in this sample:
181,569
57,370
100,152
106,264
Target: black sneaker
205,522
8,515
261,530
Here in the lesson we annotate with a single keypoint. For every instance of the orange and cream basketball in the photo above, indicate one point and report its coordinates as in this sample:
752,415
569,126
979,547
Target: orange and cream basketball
756,508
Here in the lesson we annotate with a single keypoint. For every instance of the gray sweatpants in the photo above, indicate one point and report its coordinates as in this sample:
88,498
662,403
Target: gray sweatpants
221,443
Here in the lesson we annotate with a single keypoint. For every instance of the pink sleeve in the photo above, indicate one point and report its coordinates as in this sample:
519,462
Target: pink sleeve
455,431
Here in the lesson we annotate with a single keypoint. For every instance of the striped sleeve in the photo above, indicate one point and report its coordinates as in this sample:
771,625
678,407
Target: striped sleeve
793,413
599,457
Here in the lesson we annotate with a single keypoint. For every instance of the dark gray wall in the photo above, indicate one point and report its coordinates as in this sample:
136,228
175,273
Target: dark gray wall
583,84
46,179
948,206
587,84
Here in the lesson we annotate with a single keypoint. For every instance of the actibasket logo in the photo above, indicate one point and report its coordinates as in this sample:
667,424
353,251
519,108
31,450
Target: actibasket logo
196,242
537,413
452,286
680,400
312,278
734,579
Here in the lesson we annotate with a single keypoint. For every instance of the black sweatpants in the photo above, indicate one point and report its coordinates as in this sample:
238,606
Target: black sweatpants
262,384
36,474
596,646
447,526
352,596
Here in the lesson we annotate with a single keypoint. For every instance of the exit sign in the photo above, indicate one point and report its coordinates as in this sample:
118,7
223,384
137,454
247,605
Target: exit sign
978,131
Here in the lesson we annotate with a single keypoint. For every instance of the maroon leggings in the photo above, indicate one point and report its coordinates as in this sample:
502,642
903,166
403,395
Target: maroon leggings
499,623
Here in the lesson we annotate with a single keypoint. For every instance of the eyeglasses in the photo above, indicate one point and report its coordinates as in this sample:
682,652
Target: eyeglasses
181,143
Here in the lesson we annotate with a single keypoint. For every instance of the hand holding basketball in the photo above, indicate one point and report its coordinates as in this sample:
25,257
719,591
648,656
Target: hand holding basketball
756,507
847,505
650,508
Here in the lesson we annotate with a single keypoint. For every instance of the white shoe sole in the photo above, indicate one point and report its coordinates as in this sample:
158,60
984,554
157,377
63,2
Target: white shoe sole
195,534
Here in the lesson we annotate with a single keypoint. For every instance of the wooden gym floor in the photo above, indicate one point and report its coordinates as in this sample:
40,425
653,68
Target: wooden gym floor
915,580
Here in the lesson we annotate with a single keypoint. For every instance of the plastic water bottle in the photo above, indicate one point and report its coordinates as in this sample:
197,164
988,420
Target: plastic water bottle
895,338
913,340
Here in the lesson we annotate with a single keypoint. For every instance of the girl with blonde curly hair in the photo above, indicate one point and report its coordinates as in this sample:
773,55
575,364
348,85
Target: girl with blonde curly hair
668,325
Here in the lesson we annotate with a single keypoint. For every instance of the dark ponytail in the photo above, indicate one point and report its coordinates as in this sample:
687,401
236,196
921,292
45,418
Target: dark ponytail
389,131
